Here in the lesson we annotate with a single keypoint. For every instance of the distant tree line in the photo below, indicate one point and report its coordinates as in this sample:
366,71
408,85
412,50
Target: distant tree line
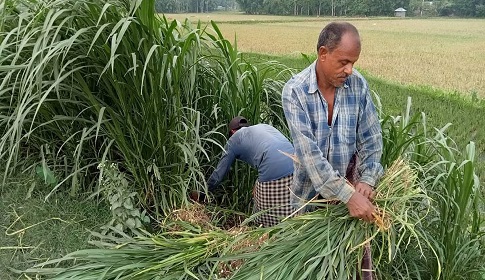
194,6
461,8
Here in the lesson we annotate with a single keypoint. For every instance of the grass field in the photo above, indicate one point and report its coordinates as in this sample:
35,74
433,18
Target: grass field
33,230
448,54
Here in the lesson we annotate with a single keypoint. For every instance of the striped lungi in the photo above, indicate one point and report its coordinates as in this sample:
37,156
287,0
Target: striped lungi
272,197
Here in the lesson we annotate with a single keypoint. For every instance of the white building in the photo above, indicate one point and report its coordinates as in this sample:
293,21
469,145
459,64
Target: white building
400,12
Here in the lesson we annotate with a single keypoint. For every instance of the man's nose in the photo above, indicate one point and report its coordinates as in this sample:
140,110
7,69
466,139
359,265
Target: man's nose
348,68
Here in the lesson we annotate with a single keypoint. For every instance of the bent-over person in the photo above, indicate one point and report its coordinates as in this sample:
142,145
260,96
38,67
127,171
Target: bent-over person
263,147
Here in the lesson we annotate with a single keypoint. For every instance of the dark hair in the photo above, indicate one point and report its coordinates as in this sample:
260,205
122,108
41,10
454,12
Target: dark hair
236,123
331,34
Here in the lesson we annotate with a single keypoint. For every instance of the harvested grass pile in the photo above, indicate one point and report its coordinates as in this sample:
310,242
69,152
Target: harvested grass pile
325,244
329,244
248,243
198,215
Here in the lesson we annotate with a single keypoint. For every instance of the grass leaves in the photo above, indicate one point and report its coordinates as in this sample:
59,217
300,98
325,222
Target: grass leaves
97,80
325,244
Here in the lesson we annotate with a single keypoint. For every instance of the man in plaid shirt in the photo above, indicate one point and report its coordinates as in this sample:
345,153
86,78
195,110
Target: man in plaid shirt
332,119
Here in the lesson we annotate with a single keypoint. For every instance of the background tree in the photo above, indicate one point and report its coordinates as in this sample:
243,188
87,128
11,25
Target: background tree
194,6
468,8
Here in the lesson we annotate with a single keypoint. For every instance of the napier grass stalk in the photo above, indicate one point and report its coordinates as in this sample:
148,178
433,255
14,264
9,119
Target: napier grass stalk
450,180
458,226
172,255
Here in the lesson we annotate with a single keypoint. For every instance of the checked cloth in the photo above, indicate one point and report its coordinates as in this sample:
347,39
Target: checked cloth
272,197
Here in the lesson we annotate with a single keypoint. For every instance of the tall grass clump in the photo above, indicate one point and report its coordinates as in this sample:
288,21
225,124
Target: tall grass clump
458,224
90,81
455,224
403,136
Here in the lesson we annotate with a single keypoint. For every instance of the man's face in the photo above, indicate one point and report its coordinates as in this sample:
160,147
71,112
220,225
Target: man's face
334,67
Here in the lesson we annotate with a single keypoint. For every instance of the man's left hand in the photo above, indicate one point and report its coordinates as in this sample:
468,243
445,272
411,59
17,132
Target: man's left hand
366,190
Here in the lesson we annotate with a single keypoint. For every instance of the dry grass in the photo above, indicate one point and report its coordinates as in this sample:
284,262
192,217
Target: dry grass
194,214
444,53
197,215
249,244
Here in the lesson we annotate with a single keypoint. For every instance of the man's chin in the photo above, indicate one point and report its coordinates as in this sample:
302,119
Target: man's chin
338,84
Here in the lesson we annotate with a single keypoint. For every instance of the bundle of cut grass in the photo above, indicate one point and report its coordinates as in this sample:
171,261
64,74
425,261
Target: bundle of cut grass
325,244
187,248
329,244
171,255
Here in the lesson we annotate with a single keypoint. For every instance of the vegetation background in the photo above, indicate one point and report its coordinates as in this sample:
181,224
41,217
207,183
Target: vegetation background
62,132
426,59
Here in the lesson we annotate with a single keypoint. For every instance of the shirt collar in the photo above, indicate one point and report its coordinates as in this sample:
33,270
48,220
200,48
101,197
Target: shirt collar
313,85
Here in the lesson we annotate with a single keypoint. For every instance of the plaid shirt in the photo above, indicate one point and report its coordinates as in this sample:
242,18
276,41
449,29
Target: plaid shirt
324,151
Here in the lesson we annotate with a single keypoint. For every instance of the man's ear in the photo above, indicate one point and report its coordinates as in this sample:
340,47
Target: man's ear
322,53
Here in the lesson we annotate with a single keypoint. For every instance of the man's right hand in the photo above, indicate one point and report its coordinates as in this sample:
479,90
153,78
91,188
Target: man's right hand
360,207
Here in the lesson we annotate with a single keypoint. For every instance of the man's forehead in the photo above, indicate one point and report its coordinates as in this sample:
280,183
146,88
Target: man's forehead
348,40
348,46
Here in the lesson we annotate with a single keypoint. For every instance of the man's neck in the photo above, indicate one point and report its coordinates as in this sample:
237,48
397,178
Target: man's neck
327,90
328,93
324,86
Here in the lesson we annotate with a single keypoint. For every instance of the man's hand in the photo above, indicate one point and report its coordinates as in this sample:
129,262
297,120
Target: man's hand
365,190
360,207
194,195
197,196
